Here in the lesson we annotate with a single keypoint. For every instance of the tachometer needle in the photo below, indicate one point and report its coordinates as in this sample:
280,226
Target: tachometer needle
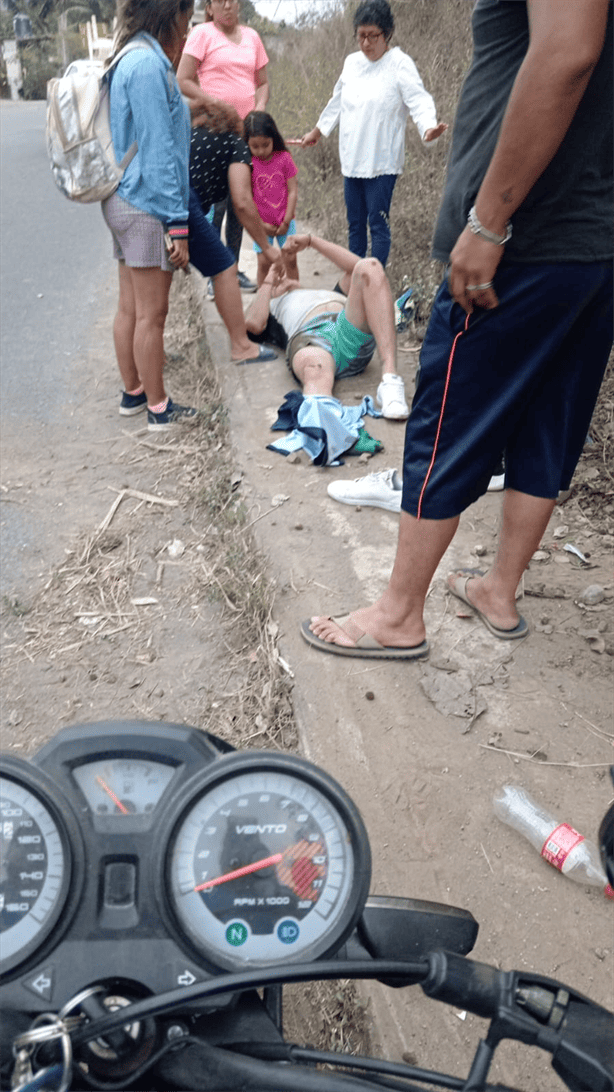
114,798
296,870
266,862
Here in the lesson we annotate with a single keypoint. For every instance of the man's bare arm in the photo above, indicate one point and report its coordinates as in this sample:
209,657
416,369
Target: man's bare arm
566,39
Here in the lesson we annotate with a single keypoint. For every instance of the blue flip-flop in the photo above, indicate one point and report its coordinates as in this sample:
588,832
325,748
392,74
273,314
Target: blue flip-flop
263,356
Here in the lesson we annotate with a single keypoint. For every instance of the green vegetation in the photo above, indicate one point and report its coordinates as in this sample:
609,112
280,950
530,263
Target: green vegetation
305,64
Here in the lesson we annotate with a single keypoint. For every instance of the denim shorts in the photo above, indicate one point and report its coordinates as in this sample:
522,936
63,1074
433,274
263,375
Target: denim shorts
278,238
350,348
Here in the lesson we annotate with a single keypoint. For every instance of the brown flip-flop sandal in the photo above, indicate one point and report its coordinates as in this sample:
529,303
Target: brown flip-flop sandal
366,647
457,584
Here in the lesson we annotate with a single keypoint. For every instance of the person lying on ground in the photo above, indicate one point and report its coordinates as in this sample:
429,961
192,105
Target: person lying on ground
220,163
327,336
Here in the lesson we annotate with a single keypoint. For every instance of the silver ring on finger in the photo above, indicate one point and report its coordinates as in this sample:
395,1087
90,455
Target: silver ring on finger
478,287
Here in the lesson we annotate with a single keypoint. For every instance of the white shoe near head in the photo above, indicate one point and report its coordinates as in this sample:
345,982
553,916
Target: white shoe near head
391,397
496,483
382,489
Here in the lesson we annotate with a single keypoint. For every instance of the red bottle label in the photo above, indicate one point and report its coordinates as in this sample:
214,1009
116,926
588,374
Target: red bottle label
559,845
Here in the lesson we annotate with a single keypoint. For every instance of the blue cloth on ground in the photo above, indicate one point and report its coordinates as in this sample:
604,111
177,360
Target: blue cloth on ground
320,425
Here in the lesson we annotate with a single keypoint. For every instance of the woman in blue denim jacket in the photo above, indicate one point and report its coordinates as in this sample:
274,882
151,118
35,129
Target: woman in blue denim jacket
152,198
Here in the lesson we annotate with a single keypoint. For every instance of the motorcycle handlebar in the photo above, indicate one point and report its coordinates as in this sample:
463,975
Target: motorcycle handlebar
533,1009
539,1011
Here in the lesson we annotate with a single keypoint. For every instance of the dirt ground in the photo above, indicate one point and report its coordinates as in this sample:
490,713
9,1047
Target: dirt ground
186,608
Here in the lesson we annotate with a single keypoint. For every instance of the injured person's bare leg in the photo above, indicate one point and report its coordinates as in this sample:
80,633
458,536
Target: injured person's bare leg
370,307
315,370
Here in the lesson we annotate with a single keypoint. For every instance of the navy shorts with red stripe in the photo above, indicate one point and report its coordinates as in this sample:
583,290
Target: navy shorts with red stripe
520,380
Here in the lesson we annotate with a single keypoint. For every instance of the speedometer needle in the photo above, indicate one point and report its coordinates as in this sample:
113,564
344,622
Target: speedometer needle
266,862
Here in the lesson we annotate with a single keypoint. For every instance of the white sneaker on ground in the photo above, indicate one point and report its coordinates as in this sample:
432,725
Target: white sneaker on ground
496,483
391,397
382,489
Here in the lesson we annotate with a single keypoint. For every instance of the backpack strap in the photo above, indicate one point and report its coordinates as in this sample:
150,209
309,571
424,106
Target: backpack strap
141,44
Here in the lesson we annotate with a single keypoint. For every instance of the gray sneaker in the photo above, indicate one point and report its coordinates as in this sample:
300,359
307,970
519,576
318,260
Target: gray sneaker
382,489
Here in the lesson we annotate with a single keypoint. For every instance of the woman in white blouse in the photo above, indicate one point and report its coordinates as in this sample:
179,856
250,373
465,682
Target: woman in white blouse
372,98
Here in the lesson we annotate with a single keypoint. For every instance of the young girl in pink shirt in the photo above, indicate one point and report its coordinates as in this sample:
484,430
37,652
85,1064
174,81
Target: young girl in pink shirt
274,186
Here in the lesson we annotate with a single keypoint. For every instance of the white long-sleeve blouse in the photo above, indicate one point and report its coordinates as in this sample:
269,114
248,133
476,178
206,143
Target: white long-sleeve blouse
371,102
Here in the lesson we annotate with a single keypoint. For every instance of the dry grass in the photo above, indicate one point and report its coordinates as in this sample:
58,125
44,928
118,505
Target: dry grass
328,1016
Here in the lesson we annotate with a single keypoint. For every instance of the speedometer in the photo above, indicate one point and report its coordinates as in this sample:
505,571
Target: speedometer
35,864
269,862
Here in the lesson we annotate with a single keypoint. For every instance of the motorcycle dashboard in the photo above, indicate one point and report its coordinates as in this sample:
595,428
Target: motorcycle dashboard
154,853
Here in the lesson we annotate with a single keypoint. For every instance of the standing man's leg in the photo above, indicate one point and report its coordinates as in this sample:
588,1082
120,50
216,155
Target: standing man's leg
560,415
378,194
396,620
524,521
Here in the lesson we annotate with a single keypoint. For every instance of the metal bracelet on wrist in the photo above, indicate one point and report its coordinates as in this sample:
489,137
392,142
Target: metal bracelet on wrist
477,229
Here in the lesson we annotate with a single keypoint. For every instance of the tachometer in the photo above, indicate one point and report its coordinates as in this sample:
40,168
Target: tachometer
269,862
35,864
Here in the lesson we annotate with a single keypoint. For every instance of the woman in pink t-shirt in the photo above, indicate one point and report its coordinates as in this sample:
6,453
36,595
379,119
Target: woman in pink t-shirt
223,72
274,187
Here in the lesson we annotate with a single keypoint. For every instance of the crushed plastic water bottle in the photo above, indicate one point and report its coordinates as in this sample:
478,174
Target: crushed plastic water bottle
559,844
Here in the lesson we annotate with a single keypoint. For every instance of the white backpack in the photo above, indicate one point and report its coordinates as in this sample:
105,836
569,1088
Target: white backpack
79,144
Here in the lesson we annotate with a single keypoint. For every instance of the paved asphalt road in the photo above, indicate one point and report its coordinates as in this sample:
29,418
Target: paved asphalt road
56,261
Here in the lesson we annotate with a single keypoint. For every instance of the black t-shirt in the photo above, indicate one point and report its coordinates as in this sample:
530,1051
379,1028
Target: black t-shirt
210,157
568,215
